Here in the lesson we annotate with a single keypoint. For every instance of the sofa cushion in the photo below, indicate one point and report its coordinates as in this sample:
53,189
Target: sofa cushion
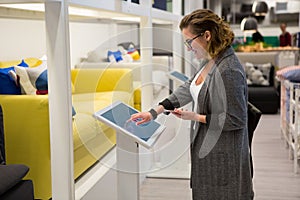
10,175
291,73
259,74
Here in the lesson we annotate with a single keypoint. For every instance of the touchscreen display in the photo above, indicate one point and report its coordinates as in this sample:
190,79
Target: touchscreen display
179,76
120,114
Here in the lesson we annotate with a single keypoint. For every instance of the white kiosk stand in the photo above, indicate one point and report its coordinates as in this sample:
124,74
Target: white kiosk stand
174,158
129,137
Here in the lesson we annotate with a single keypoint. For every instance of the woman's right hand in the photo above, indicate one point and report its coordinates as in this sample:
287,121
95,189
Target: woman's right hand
141,117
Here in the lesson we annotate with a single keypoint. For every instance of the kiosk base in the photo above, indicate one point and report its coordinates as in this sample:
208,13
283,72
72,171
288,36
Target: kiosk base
127,168
172,172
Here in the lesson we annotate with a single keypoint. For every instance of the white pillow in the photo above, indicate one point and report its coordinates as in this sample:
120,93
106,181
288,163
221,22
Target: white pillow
25,83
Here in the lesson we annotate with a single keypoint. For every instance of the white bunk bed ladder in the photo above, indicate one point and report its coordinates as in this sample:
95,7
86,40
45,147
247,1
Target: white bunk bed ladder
294,124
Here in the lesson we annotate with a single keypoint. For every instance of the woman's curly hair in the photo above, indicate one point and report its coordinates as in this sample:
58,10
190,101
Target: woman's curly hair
202,20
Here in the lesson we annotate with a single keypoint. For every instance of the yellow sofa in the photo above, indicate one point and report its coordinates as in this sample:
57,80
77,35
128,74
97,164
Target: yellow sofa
26,124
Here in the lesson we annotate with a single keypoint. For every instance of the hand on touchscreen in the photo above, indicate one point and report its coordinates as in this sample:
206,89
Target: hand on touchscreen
141,117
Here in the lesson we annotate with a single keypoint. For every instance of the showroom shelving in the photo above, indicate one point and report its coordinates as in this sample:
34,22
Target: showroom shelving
290,121
294,123
56,17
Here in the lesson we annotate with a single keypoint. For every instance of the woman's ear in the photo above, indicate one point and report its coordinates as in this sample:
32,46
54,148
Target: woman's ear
207,36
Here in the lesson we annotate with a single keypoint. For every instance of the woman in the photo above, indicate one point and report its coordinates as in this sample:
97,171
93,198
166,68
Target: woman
219,140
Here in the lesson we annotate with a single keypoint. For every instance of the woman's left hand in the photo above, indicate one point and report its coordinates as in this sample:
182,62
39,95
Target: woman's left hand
186,115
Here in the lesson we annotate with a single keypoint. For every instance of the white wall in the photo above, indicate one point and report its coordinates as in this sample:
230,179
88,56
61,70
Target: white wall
22,38
85,37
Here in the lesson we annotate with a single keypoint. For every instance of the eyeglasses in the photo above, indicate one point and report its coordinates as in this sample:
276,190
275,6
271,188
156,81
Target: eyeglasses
188,42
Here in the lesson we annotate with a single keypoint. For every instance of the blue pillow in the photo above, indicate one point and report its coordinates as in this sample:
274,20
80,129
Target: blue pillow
23,64
7,83
292,75
41,82
114,56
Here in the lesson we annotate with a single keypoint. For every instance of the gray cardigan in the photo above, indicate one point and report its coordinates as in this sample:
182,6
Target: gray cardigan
219,148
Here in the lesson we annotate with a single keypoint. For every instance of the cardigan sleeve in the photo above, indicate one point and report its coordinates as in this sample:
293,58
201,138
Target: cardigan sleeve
180,97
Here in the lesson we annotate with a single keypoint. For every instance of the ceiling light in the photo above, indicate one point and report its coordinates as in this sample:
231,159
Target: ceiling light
260,8
249,24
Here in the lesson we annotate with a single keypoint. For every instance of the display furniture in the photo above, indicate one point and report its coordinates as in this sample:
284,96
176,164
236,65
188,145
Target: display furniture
290,121
264,97
27,124
295,124
56,16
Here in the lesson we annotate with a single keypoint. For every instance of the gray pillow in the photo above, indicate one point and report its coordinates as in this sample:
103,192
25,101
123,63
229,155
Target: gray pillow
10,175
